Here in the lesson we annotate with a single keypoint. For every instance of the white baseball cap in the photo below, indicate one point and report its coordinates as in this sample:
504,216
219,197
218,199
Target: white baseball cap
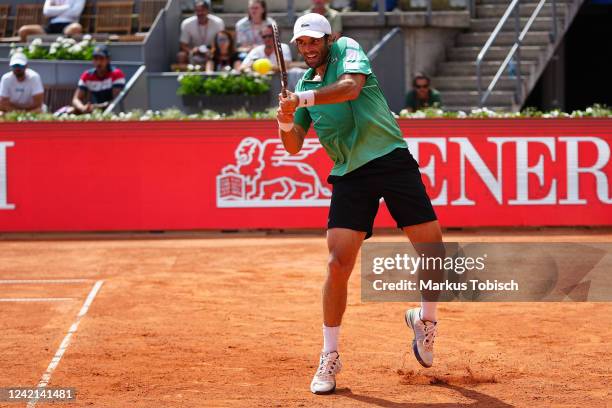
18,58
311,25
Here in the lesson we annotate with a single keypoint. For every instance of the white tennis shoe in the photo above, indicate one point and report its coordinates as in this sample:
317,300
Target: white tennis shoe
424,336
324,381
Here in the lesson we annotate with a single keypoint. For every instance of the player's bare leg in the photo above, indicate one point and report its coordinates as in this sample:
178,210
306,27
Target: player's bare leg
423,321
343,245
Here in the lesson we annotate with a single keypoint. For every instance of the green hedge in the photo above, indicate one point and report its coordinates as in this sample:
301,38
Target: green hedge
224,84
596,111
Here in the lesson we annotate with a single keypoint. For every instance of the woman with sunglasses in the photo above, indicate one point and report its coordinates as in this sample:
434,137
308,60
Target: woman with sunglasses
224,55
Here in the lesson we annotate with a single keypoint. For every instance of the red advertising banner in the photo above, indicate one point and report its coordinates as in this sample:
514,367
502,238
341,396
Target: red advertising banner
103,176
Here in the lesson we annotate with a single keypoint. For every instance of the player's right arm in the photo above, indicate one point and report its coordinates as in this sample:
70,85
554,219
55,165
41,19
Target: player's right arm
292,134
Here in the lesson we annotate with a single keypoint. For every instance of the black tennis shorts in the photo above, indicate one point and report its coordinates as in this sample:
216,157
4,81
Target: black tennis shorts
394,177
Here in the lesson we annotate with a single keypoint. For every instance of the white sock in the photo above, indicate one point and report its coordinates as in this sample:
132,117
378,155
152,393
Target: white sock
428,311
330,338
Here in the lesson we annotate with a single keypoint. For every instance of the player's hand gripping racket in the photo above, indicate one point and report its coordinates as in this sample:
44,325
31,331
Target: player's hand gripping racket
280,60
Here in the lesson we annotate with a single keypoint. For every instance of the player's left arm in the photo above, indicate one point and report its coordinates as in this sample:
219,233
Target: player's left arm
346,88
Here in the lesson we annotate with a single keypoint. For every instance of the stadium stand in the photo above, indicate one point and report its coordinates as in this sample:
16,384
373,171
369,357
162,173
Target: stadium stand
149,9
456,75
4,14
114,17
27,14
441,37
57,96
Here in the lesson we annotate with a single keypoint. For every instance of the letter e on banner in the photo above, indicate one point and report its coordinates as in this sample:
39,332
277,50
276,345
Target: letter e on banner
4,205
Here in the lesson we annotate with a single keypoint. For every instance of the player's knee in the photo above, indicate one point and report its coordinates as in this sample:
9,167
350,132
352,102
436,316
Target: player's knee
338,268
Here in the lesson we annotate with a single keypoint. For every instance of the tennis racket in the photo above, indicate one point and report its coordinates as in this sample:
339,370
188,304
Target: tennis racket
280,60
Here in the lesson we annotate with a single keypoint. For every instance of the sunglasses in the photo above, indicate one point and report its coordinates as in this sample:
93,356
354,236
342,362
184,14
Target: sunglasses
18,66
422,86
222,40
267,36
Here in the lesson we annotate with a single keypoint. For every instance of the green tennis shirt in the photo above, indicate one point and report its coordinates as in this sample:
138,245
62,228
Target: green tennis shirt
353,132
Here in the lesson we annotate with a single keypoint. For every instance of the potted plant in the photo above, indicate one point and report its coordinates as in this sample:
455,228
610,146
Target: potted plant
61,49
224,93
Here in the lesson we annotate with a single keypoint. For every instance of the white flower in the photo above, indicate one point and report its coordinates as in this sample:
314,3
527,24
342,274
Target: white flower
36,42
198,67
190,67
87,37
75,49
461,114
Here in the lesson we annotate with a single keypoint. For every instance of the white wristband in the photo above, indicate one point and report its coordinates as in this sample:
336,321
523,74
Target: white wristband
285,126
307,98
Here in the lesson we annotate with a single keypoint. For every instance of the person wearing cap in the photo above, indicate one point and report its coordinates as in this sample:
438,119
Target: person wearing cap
335,19
63,18
21,89
339,96
198,33
99,85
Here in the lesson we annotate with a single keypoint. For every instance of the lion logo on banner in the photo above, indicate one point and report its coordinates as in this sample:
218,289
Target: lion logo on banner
265,175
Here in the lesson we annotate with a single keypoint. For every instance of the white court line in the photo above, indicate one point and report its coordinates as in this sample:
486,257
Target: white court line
46,377
35,299
20,281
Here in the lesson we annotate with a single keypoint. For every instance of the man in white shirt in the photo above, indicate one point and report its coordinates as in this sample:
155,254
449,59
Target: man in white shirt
198,34
267,51
63,17
21,89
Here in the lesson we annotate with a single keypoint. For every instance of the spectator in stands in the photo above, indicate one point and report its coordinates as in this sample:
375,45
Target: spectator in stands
248,29
198,33
223,54
422,95
343,5
334,18
266,51
63,17
21,89
99,85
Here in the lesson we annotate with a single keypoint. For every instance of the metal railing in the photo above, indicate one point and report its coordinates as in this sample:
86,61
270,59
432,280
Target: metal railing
118,104
384,57
515,50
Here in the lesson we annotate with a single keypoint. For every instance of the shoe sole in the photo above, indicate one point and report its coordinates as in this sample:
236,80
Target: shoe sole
415,349
324,392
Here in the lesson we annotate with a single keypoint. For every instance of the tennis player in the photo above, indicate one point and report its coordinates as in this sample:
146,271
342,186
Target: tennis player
340,97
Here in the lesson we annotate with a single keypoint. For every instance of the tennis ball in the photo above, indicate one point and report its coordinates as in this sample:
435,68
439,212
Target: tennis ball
262,66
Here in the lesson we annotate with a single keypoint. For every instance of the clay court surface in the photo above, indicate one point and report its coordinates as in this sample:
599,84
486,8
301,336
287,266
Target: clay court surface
233,320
